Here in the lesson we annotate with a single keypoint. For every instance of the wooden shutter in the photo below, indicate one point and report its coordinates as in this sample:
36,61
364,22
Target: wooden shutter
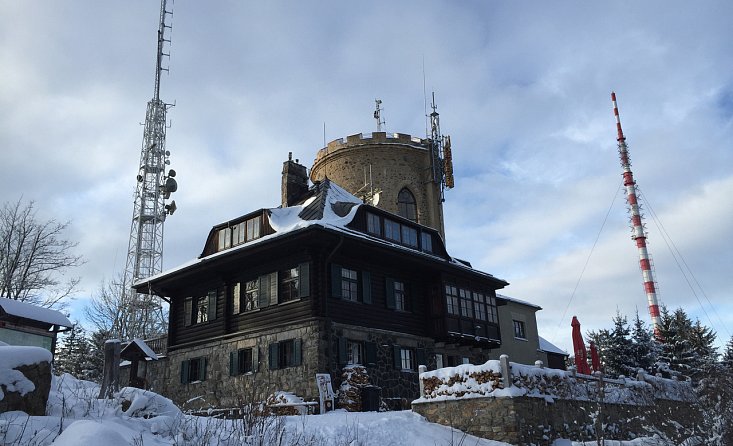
304,279
184,372
263,297
274,356
390,293
422,358
370,351
211,309
335,280
297,352
236,296
255,358
366,287
273,288
342,353
234,363
397,356
202,369
187,311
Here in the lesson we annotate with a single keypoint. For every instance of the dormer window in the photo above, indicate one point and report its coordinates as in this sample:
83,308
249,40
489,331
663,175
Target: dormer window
406,205
243,232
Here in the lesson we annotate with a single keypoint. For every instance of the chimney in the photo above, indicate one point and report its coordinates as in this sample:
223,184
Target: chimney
294,182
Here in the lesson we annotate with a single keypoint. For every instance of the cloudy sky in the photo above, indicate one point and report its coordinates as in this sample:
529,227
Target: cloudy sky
523,89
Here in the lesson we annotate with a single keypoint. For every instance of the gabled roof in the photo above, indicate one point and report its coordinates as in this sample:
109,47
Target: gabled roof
34,313
518,301
549,347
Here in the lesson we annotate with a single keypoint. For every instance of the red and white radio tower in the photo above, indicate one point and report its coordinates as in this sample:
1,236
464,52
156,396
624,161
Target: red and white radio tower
638,233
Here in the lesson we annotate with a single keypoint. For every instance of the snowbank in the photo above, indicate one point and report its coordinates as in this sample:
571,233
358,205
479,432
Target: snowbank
12,357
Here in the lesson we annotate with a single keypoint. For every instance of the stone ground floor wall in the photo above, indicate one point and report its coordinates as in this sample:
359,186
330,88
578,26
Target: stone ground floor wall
527,420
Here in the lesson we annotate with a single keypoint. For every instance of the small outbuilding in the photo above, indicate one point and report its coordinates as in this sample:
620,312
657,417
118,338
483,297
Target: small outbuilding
22,323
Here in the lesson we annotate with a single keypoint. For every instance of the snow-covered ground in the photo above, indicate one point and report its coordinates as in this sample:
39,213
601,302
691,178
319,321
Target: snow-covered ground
76,418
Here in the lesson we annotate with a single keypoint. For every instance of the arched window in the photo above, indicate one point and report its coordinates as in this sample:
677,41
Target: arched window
406,205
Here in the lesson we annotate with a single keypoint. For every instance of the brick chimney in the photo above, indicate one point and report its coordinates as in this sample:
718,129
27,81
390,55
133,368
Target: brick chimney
294,182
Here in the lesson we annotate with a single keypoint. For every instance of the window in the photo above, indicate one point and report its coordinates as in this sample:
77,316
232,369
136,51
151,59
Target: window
251,295
199,309
491,305
407,358
479,306
354,352
519,330
426,240
349,284
451,298
253,228
243,361
466,305
409,236
224,239
392,230
289,284
193,370
399,295
406,206
285,354
373,224
439,361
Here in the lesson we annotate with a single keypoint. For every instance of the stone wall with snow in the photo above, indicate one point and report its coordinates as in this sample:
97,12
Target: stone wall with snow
25,379
539,405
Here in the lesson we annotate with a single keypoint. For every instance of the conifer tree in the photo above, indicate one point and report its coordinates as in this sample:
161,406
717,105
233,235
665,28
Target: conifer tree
620,348
644,348
74,353
677,356
96,356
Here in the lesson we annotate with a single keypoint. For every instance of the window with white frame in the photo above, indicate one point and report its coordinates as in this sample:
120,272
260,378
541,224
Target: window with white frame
349,284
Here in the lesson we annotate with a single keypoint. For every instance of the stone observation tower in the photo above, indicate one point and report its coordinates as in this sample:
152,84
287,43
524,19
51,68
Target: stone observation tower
393,172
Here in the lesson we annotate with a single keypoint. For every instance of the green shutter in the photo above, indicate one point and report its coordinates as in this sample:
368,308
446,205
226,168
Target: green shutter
273,288
234,363
297,352
211,309
370,350
390,293
236,293
342,356
264,291
255,358
187,311
184,372
304,279
202,369
274,356
397,357
335,280
366,287
422,358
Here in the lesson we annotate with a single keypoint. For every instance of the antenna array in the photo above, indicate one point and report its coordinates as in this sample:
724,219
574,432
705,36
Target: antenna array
441,161
143,314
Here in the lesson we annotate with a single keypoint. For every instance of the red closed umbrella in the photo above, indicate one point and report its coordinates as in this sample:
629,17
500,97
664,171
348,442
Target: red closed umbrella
581,357
595,360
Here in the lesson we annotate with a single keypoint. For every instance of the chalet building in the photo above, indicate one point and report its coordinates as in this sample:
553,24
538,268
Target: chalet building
321,282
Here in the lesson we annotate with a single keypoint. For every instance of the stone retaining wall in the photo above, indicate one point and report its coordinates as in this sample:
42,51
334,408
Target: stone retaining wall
540,421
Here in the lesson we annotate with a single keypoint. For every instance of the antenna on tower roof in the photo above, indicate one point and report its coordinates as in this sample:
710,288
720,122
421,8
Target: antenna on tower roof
378,115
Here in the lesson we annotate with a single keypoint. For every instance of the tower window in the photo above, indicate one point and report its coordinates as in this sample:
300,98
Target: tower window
406,205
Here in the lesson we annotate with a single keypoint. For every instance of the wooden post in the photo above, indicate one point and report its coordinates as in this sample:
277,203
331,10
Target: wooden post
506,371
111,382
421,369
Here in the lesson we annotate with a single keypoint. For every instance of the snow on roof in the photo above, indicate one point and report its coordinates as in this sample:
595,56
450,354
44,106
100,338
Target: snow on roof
519,301
549,347
331,207
143,347
34,312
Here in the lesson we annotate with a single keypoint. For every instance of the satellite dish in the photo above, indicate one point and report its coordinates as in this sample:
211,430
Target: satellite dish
171,173
171,208
375,199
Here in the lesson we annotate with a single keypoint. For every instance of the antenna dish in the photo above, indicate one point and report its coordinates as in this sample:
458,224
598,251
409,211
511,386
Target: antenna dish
171,208
171,173
375,199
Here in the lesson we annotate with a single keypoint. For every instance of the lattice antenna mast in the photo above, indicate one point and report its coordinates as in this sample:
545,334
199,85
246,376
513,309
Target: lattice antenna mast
442,158
638,234
378,115
144,315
